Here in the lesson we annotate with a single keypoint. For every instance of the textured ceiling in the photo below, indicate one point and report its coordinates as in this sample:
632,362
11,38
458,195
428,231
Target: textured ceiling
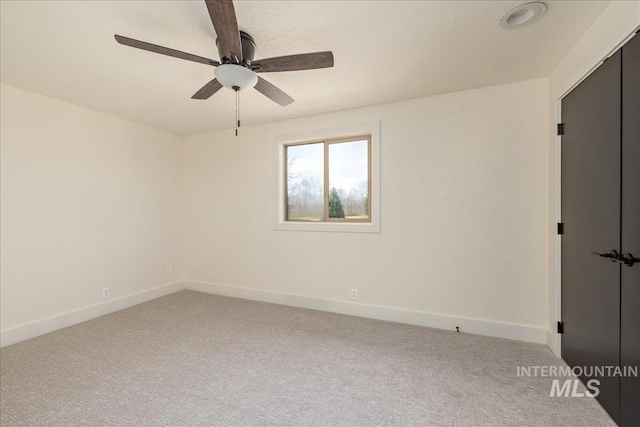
384,51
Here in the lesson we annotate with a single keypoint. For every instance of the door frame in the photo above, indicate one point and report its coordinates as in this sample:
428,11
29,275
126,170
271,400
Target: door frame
559,175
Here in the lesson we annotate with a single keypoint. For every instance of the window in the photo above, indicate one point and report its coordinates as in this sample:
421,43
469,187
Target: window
328,180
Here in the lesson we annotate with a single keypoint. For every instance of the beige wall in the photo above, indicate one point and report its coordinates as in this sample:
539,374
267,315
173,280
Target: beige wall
88,201
619,20
464,210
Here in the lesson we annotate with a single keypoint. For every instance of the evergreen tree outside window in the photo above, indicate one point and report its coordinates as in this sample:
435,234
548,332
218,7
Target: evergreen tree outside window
335,205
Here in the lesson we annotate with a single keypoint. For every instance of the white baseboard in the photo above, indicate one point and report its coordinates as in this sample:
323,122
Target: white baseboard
420,318
39,327
467,325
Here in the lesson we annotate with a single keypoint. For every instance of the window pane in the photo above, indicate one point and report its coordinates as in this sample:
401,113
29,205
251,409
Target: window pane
305,182
349,180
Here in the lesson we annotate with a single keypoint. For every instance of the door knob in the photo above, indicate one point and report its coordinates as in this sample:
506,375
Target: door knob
614,256
629,259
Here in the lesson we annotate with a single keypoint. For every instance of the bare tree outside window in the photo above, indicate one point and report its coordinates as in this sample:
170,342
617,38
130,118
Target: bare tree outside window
305,178
328,181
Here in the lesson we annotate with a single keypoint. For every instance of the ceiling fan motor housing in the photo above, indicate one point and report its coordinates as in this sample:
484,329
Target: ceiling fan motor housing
248,48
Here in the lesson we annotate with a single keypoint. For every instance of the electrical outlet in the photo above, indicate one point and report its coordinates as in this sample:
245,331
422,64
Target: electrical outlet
354,294
169,269
106,293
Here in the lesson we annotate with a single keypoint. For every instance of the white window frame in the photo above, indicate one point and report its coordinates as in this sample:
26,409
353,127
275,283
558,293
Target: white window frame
281,141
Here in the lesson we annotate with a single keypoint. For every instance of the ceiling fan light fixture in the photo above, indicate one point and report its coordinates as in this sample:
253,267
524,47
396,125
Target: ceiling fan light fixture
232,76
523,15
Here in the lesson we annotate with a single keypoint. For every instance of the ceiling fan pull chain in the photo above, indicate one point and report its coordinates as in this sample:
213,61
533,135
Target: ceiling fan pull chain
237,89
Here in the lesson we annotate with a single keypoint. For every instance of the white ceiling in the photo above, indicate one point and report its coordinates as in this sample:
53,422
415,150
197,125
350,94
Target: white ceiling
384,51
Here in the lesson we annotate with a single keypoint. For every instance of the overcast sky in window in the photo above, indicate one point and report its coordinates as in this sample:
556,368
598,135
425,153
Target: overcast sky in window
348,163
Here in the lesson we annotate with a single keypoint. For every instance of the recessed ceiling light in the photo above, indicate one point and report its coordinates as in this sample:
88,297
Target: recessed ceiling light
523,15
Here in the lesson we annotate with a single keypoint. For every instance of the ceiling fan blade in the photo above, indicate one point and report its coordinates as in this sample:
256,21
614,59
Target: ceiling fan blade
273,93
164,50
304,61
223,17
207,90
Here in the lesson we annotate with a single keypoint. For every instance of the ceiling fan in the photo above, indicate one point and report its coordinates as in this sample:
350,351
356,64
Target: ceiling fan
237,69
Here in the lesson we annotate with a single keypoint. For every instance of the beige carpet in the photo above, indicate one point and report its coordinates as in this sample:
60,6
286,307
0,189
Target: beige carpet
197,359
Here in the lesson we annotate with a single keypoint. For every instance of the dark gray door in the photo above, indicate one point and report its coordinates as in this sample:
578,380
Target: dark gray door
591,187
630,276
